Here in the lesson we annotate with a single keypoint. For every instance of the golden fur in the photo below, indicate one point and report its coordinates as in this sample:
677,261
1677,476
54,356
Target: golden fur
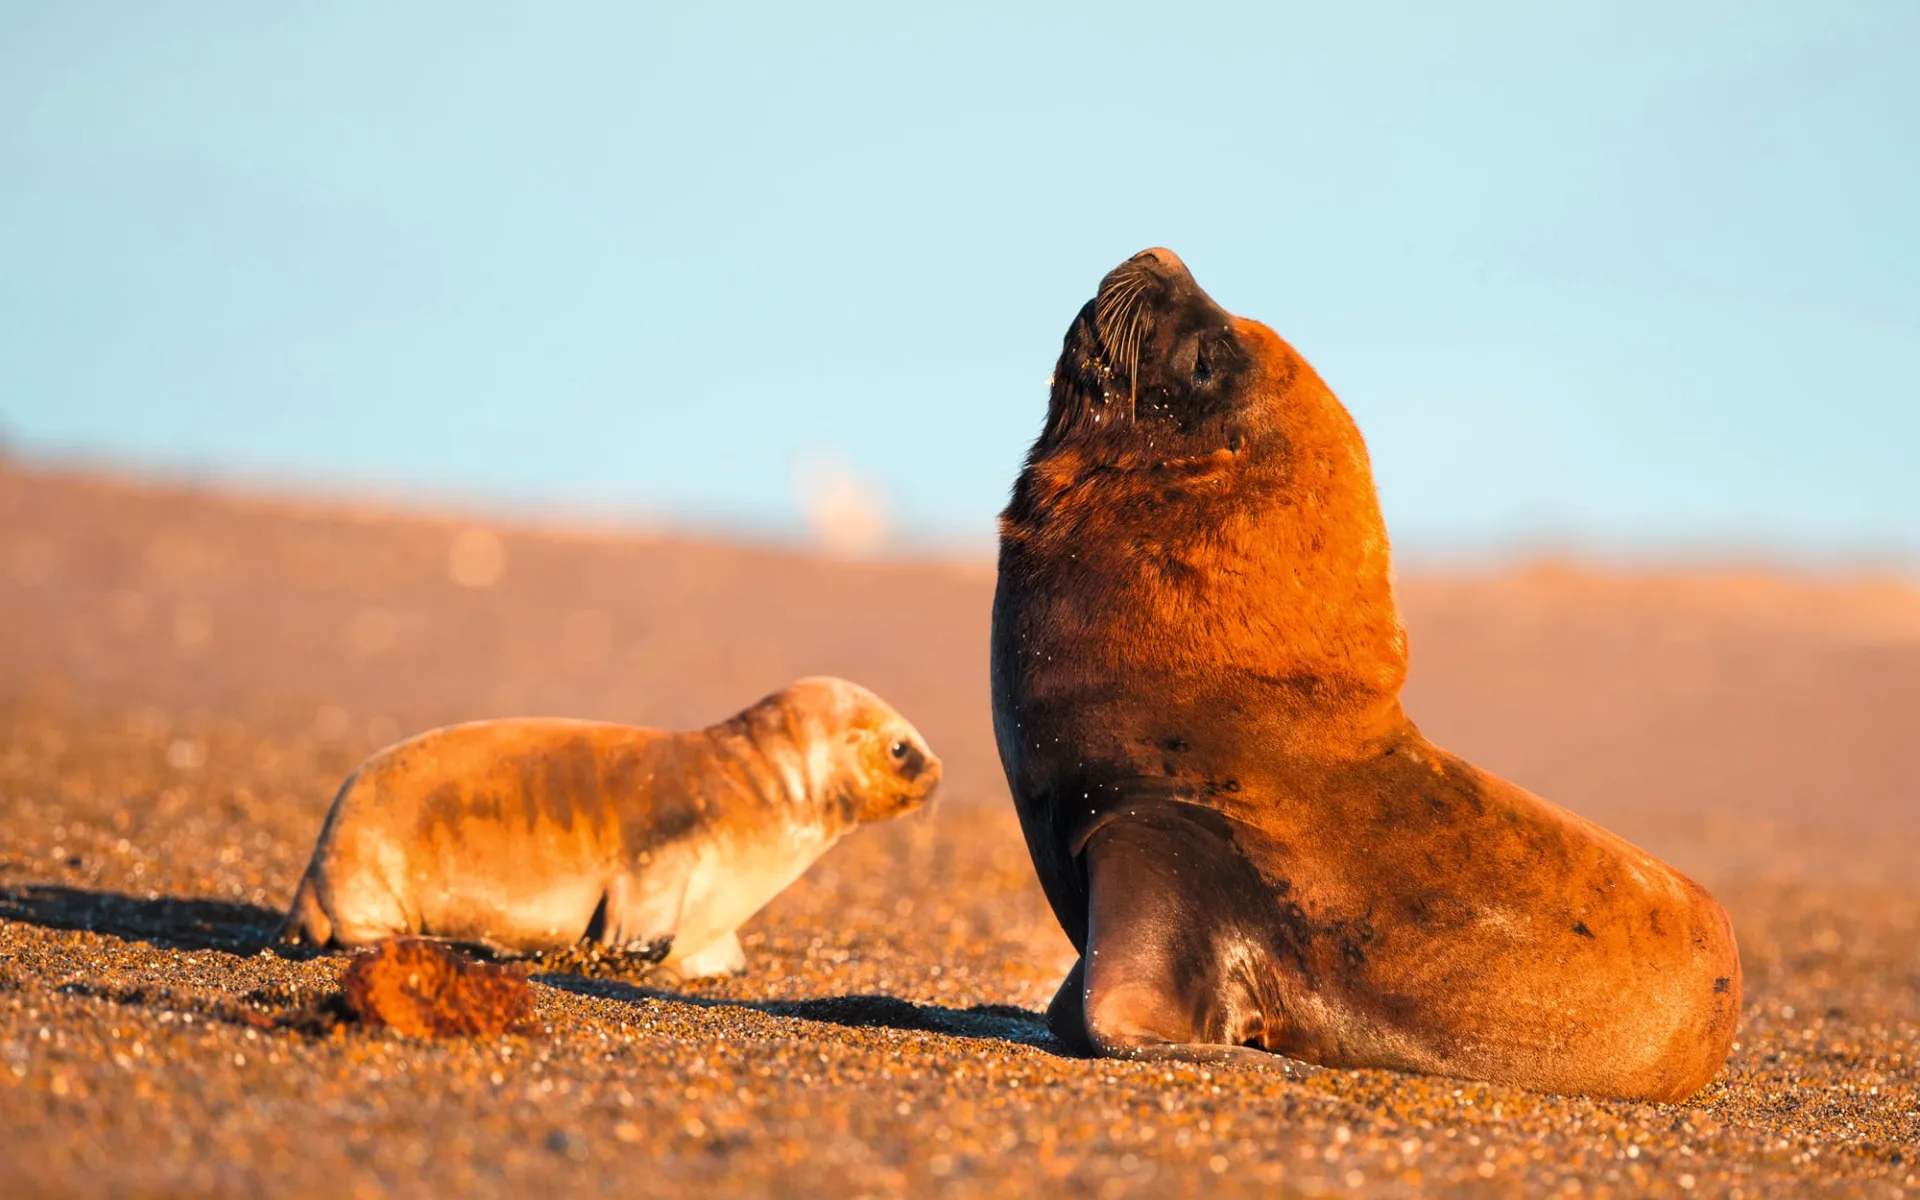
526,835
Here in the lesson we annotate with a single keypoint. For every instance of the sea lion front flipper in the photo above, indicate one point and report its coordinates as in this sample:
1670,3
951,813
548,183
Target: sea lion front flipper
721,956
1066,1017
641,913
1173,945
1066,1014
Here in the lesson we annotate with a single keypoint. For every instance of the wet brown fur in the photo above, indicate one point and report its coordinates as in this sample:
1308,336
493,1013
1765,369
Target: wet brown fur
1199,615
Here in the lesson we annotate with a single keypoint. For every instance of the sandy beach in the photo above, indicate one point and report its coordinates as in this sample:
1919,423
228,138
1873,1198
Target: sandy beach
186,676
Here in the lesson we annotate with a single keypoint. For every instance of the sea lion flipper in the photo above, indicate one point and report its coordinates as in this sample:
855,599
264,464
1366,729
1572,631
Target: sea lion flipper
722,956
640,913
1173,941
306,923
1066,1014
1066,1018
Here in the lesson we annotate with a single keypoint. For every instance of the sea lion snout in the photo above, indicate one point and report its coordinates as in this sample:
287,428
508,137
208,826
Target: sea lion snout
1161,257
889,770
915,763
1153,352
1143,292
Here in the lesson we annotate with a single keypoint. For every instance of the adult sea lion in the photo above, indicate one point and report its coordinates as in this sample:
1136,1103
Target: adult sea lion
529,835
1197,664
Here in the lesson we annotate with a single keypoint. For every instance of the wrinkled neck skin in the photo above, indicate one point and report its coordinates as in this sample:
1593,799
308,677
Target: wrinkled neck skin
779,766
1237,553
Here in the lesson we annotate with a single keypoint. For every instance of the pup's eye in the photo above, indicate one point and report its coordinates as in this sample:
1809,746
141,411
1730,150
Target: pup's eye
899,751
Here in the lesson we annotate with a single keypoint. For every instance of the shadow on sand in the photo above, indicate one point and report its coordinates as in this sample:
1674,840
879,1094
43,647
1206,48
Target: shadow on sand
996,1022
179,924
163,921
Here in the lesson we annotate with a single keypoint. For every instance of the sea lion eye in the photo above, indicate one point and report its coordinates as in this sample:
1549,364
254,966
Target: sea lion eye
899,750
1202,364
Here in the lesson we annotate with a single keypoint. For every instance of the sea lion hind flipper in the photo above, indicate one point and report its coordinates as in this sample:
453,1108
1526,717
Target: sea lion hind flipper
1173,944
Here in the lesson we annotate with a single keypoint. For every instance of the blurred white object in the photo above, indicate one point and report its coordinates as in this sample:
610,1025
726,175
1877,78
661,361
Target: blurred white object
844,511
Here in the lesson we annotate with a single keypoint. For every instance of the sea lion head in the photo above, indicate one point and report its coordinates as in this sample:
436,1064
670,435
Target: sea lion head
1153,369
1199,506
876,763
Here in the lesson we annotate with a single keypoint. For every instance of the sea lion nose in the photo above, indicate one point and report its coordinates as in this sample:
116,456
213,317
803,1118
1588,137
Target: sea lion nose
1160,256
1158,263
1179,287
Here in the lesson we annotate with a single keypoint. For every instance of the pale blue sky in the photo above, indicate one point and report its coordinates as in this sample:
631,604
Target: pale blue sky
1642,276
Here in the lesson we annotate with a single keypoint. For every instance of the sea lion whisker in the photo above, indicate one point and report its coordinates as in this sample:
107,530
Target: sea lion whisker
1112,317
1136,326
1120,294
1116,308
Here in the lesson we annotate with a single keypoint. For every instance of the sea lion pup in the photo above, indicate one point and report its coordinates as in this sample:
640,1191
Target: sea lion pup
1197,664
530,835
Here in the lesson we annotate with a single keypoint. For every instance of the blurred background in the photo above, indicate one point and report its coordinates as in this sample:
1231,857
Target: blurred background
1630,279
366,368
370,367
